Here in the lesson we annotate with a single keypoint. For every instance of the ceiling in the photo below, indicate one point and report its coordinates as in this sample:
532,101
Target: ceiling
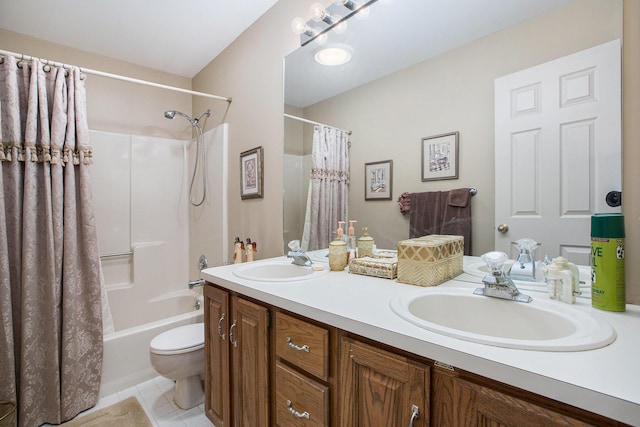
179,37
398,34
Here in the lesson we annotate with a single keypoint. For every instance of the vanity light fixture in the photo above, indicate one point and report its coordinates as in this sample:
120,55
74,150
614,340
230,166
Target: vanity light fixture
299,26
332,55
324,19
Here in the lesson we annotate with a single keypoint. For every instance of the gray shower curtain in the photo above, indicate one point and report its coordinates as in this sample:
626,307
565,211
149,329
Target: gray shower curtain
328,186
51,331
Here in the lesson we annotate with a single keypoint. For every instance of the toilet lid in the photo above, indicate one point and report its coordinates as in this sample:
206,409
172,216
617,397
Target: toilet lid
179,340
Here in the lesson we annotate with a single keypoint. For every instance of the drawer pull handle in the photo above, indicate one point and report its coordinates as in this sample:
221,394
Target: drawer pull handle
295,413
415,414
232,339
297,347
220,332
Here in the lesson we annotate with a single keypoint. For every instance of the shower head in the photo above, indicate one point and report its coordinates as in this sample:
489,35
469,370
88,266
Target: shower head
194,122
172,113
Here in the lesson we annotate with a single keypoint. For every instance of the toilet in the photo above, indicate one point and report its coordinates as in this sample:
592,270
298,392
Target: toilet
178,354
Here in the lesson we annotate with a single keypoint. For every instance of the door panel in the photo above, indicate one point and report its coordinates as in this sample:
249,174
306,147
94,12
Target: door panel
558,150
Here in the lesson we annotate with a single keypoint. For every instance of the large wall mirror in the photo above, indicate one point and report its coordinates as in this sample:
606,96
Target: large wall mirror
418,69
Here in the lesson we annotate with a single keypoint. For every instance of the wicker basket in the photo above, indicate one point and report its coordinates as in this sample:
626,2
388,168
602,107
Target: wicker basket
386,268
430,260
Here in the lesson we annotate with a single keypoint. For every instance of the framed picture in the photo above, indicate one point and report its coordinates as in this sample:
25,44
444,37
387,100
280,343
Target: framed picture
440,157
251,174
378,180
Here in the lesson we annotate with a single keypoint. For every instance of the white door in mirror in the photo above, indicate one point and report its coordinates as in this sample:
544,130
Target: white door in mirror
558,150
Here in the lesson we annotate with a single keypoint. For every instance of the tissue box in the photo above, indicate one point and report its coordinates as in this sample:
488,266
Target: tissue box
430,260
386,268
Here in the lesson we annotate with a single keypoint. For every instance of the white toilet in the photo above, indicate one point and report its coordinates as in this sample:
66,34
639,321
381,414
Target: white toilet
178,354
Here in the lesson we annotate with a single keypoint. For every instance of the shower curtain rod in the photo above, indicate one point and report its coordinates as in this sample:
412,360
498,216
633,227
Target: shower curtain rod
116,76
315,123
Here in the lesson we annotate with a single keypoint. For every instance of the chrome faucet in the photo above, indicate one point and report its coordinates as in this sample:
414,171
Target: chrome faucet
298,255
525,267
496,284
195,283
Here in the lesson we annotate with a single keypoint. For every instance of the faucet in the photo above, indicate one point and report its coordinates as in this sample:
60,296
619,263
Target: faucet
298,255
525,266
496,284
194,283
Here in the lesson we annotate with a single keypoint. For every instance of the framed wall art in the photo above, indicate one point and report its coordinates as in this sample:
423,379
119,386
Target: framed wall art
378,180
251,173
440,157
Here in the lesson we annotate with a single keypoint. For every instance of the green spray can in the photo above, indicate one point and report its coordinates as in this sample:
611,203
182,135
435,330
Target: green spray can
607,262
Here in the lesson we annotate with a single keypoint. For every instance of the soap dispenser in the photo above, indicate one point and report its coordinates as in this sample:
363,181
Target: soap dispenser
337,252
562,280
365,244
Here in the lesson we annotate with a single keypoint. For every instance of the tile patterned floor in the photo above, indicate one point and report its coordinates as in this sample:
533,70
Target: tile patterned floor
156,397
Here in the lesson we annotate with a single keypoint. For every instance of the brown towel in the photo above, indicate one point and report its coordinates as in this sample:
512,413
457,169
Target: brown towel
438,212
459,197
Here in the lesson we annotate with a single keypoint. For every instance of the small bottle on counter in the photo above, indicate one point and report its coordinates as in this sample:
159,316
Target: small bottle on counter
365,244
250,249
353,245
337,252
238,249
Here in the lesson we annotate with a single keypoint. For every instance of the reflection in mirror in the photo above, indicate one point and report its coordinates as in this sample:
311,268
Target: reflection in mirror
427,72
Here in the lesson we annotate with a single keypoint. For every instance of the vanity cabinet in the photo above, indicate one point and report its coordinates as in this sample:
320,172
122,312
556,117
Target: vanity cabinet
381,388
457,401
302,372
236,360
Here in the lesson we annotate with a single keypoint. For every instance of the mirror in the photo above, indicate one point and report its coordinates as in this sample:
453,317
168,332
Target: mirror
428,70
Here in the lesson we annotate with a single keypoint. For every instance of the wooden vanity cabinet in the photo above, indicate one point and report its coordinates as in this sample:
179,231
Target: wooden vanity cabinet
302,372
381,388
236,360
459,402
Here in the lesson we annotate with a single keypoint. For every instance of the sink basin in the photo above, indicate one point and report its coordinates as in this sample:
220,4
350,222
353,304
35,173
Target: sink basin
543,325
277,271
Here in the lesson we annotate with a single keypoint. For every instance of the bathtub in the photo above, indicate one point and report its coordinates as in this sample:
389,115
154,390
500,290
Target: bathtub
126,352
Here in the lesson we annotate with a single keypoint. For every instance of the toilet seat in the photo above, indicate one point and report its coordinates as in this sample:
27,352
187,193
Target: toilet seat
182,339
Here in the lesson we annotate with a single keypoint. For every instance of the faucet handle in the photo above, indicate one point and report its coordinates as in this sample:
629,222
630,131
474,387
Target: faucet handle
294,245
495,261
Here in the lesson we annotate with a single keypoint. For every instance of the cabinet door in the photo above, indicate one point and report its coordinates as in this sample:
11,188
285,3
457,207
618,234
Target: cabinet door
481,406
250,363
217,384
379,388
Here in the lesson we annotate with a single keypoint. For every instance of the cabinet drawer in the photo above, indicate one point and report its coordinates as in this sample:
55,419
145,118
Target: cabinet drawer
300,401
303,344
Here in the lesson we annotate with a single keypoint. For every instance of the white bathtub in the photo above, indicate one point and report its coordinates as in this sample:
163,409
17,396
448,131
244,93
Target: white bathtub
126,352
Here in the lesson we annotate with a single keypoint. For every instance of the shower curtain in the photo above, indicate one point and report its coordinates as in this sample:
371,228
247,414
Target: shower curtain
329,184
51,331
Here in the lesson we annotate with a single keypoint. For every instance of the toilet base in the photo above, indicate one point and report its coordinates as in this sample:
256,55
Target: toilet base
189,392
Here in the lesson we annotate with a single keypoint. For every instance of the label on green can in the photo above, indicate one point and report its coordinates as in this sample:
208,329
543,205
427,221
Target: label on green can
607,274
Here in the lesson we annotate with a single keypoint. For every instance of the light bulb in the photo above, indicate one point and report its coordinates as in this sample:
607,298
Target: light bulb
299,25
341,27
363,13
317,12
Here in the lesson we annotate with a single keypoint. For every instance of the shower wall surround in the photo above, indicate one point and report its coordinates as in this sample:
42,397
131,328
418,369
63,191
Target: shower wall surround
140,194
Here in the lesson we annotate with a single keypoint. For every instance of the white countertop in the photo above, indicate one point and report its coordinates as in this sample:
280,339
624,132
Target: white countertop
605,380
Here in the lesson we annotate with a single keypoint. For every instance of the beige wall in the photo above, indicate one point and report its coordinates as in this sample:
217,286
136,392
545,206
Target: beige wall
113,105
250,71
